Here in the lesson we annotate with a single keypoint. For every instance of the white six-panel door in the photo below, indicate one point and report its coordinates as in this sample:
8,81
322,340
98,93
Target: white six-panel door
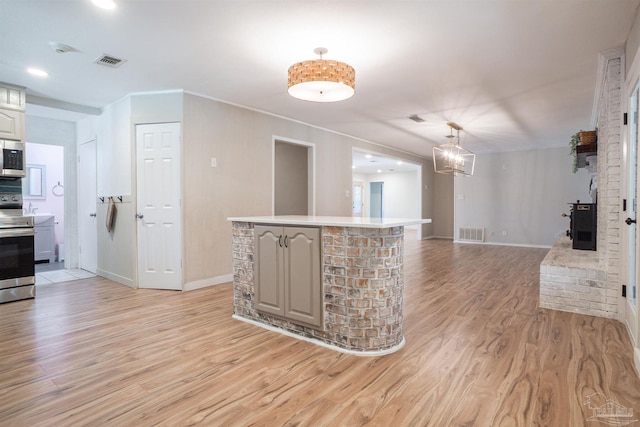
159,213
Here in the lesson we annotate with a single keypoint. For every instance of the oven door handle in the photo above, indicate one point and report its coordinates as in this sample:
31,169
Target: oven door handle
17,232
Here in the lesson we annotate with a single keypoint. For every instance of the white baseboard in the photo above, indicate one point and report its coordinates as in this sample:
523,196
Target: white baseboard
438,237
199,284
519,245
321,343
116,278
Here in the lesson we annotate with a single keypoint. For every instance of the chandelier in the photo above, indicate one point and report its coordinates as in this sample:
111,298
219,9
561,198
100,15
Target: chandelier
322,80
451,158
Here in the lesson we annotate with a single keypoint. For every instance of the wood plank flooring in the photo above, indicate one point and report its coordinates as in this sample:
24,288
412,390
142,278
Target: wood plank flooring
479,353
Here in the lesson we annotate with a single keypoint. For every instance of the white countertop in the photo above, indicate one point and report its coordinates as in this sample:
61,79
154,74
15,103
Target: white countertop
336,221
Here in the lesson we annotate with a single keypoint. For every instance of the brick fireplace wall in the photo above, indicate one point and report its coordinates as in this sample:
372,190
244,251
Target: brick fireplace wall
578,281
609,174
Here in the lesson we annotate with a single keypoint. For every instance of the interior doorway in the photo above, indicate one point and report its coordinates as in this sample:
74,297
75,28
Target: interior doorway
293,177
376,206
43,198
398,194
358,199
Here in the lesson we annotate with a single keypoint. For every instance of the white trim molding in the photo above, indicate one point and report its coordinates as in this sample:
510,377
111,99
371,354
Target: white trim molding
603,58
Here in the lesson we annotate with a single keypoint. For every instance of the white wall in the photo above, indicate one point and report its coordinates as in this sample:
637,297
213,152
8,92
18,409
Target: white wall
114,132
114,149
522,193
401,193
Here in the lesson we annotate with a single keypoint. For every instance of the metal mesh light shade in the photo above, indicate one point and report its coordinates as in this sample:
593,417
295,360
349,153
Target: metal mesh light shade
322,80
453,160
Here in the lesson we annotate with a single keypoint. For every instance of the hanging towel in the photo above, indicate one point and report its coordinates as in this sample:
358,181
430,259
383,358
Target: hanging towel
111,215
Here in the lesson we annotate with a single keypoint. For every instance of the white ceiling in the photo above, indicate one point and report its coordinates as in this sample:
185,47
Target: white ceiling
516,74
366,162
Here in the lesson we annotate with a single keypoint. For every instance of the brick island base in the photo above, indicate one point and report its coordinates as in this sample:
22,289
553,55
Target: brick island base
362,289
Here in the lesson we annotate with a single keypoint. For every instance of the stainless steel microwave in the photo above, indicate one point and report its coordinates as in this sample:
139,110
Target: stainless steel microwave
12,161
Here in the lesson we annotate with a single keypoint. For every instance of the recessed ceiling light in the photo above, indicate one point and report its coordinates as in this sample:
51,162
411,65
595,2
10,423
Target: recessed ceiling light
399,162
105,4
37,72
368,156
353,167
379,170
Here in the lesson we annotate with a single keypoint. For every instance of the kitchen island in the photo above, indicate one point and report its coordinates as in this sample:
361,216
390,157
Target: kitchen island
334,281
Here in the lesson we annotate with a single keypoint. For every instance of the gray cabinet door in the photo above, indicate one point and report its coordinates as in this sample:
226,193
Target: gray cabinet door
303,300
269,269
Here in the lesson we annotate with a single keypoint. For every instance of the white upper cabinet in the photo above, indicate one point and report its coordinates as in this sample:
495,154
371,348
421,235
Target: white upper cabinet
12,97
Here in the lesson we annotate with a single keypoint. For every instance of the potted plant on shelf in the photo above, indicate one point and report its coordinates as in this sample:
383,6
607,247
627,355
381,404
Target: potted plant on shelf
581,138
573,144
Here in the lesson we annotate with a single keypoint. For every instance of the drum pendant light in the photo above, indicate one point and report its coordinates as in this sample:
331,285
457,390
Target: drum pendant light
321,80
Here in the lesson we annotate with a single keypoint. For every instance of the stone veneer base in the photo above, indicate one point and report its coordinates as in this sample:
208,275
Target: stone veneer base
575,281
321,343
362,288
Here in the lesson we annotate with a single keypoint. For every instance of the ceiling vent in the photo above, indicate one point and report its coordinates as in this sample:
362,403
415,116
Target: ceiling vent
416,118
109,61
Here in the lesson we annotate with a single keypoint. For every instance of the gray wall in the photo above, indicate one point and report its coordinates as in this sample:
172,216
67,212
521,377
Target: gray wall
443,205
522,193
241,184
632,46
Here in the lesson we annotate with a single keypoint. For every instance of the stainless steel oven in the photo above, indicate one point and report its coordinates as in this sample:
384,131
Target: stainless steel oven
17,267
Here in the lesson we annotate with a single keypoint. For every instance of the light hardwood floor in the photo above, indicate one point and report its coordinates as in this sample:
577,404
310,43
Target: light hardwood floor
479,353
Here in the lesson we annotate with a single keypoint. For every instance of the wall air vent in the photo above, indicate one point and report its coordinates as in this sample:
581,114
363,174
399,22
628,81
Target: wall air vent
416,118
109,61
468,234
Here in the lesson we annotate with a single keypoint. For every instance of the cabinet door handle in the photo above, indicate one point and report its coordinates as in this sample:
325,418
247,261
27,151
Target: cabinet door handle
280,240
630,221
286,239
93,215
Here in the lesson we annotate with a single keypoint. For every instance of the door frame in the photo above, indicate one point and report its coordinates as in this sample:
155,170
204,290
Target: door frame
362,203
311,170
95,209
628,315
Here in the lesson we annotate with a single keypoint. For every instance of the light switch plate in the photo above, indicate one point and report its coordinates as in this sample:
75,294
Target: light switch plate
214,162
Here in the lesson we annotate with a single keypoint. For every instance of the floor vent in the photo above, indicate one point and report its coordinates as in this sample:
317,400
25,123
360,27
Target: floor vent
470,234
109,61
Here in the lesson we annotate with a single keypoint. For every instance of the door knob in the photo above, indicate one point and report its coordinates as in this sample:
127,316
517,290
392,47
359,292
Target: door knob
93,214
139,216
630,221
